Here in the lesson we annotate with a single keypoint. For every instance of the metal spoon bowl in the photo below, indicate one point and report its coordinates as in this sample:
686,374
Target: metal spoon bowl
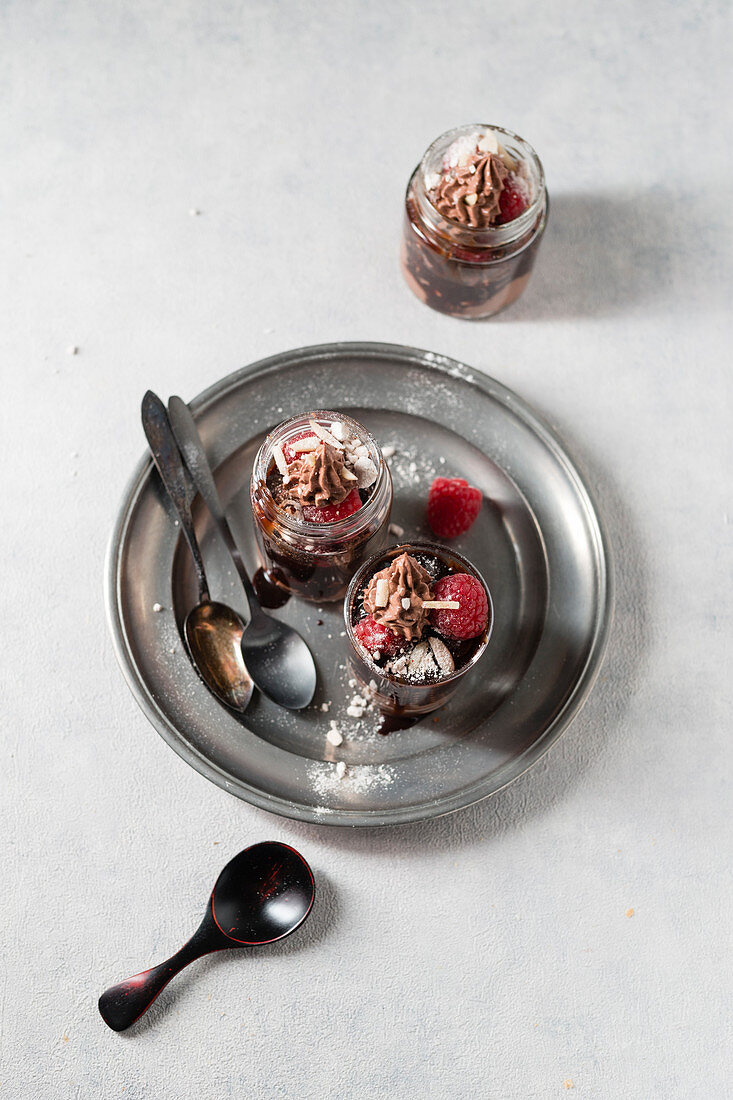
213,631
213,634
277,658
262,895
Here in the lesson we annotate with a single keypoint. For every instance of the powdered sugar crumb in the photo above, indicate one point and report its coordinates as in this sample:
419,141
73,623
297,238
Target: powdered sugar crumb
334,735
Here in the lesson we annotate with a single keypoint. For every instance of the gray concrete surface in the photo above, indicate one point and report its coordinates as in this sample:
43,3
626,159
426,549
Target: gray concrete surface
490,954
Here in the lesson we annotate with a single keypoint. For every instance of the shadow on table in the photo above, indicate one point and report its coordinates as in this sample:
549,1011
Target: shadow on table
581,746
608,253
323,919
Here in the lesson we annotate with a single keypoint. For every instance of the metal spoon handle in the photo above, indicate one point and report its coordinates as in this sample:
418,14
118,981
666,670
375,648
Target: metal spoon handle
173,475
189,441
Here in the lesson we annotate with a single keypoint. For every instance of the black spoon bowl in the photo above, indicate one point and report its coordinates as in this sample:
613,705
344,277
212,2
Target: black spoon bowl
261,896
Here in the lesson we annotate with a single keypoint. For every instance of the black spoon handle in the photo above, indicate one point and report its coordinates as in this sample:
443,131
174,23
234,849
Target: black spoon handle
173,475
189,442
122,1004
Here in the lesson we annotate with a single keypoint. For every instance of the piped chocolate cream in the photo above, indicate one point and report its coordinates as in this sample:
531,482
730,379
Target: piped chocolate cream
320,477
471,195
395,596
469,187
321,470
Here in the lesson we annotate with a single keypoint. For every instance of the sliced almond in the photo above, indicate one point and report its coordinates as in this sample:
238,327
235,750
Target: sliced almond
308,444
508,159
381,593
442,655
325,435
279,456
471,200
420,661
347,475
488,143
441,605
406,603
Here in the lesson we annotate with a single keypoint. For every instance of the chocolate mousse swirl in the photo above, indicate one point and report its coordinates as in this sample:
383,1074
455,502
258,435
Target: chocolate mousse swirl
406,580
317,477
470,194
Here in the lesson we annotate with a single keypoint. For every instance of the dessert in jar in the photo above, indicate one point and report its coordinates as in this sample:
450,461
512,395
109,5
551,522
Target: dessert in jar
418,617
321,497
475,212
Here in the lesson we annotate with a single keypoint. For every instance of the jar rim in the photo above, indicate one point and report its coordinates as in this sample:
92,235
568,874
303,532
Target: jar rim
334,529
438,551
490,235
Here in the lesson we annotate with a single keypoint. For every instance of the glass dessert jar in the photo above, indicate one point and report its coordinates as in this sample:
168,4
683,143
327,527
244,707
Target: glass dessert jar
321,496
475,211
407,647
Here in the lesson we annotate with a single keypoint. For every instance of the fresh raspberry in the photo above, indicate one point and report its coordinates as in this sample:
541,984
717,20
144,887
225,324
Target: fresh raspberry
290,454
512,202
453,505
471,618
333,512
377,638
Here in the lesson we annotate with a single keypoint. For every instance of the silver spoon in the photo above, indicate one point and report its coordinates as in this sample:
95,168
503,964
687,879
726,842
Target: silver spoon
213,632
277,658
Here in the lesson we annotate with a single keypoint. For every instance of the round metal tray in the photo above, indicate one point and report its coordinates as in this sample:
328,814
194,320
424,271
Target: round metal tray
538,542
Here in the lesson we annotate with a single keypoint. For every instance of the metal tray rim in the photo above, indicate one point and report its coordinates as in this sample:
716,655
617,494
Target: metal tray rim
356,818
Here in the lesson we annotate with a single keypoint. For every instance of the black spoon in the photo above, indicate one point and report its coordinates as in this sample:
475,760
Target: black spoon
262,895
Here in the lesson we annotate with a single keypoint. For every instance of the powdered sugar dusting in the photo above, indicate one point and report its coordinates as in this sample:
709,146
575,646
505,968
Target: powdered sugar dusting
408,467
450,366
325,779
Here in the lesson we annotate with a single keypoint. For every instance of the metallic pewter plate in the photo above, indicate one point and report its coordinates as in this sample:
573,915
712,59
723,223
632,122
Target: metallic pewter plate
538,542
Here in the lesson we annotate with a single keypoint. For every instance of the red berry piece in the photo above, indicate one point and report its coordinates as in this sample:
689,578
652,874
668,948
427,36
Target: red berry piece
377,638
472,616
333,512
290,454
453,505
512,202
